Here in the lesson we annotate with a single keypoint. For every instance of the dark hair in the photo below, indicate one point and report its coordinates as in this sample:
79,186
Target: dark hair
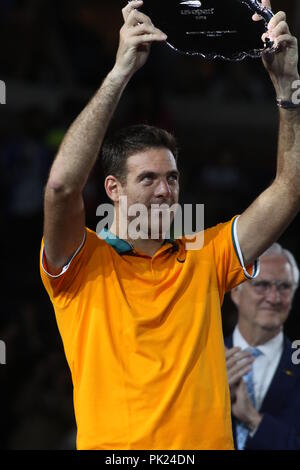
128,141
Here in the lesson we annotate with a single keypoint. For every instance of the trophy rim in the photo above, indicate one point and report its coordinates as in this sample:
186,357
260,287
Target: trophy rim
237,57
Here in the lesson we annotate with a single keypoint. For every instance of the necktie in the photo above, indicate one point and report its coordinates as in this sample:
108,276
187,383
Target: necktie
241,429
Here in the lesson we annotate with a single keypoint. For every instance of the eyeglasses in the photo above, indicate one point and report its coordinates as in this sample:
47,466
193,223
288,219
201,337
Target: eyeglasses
263,287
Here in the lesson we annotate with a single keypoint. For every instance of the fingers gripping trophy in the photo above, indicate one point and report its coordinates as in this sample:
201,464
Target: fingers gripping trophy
232,30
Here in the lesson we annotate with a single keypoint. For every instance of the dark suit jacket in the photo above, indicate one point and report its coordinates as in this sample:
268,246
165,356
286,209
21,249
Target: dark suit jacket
280,426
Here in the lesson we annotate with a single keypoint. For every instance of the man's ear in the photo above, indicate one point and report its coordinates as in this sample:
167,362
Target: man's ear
113,188
235,294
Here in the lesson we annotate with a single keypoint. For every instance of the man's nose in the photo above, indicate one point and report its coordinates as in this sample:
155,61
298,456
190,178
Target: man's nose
162,189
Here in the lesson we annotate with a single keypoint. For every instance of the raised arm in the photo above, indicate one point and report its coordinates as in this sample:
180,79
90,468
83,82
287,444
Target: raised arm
271,213
64,215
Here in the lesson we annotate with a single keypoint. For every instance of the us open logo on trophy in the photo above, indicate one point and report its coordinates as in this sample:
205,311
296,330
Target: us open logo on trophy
194,8
211,28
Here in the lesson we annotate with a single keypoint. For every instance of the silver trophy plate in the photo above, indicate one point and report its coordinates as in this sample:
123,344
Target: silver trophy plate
211,28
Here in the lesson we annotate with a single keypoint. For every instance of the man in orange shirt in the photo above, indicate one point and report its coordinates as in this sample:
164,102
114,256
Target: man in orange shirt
140,319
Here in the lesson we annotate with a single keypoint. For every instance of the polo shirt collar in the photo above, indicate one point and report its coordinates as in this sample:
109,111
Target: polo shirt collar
119,245
122,246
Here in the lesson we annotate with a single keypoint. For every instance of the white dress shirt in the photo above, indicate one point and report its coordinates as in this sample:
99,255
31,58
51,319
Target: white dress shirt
265,365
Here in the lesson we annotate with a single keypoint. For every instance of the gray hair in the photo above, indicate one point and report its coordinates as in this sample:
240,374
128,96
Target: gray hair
277,250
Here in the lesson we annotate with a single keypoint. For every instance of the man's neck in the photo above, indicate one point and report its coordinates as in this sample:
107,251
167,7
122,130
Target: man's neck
255,335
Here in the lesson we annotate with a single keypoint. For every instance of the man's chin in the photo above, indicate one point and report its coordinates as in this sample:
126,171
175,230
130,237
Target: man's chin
270,323
159,236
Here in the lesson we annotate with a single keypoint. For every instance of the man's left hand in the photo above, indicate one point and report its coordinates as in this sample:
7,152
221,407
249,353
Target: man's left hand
243,408
282,64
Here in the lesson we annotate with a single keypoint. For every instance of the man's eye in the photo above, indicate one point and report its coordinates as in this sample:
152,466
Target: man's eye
147,179
285,286
264,285
173,178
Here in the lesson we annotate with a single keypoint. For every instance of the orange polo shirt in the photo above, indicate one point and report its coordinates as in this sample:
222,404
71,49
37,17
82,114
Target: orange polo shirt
143,339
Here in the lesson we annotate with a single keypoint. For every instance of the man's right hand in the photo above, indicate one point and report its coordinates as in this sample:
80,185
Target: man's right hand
238,363
136,37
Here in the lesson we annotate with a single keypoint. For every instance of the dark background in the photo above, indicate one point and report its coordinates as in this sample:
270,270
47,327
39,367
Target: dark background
54,55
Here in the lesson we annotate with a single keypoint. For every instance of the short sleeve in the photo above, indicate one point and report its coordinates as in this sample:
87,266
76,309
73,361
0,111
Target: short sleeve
229,263
62,287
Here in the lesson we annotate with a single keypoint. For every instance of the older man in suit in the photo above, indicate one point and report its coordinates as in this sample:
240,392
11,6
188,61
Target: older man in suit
264,377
